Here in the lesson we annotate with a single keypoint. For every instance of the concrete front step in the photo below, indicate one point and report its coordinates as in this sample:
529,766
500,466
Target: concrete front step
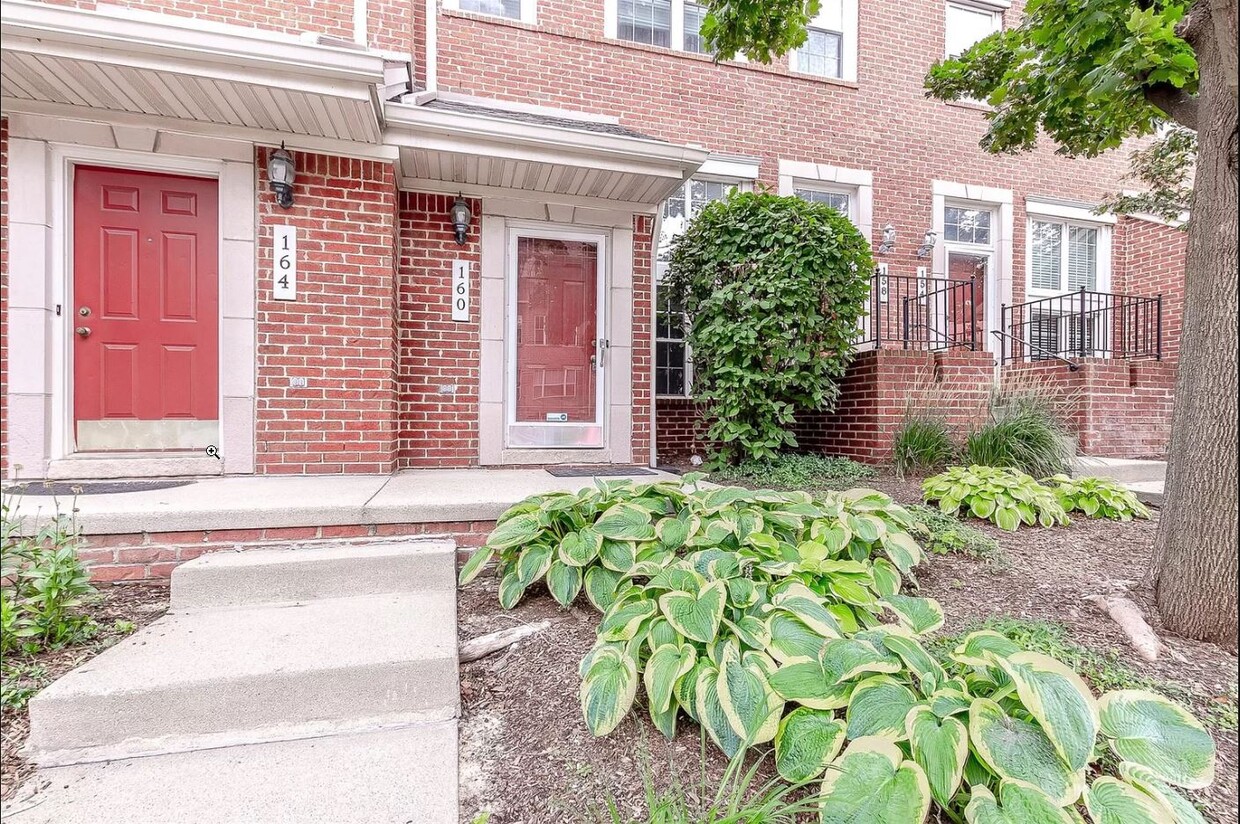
384,777
220,677
309,573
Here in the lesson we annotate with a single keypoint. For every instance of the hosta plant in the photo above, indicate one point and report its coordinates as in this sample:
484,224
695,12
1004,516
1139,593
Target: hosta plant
1006,497
1097,497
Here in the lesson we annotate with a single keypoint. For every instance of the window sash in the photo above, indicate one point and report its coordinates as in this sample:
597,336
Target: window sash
692,40
508,9
968,225
842,200
1064,257
822,54
645,21
965,25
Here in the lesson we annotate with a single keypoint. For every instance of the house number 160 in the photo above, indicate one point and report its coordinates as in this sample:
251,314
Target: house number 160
284,263
460,290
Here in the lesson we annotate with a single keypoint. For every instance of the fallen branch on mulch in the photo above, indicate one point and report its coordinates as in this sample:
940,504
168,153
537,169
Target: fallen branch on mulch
1128,615
484,645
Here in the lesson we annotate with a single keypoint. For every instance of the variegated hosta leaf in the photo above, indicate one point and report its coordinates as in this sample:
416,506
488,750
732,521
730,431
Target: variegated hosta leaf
520,529
608,690
886,577
810,611
672,532
660,632
1160,735
921,615
745,695
902,550
534,563
618,556
474,565
1110,801
977,648
852,590
844,659
878,706
580,548
677,575
807,683
564,582
949,701
940,747
625,522
871,781
791,639
1060,701
664,668
622,621
710,712
695,616
742,593
600,586
922,664
806,743
1018,803
751,630
1019,750
665,721
1181,809
510,590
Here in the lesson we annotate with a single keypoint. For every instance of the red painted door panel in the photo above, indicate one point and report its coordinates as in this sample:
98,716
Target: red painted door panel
145,269
557,315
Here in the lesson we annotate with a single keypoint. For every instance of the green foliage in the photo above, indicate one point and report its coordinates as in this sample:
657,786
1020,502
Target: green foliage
944,534
46,586
1023,432
1006,497
1097,497
1078,71
774,287
20,681
1164,170
758,29
793,471
923,443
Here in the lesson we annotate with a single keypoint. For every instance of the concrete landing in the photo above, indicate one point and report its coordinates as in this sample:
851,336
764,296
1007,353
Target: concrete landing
384,777
415,496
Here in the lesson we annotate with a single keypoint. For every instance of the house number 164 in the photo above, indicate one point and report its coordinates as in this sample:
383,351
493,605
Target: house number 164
284,263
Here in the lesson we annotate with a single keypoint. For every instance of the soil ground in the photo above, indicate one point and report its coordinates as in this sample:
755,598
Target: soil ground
527,757
136,604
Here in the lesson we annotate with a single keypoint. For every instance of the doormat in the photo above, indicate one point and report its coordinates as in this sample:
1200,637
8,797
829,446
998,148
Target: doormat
597,470
70,488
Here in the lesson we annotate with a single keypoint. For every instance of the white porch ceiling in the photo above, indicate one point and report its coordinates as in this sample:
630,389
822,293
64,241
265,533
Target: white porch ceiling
170,67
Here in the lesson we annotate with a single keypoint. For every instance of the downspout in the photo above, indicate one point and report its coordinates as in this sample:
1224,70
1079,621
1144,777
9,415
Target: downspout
432,51
656,228
360,28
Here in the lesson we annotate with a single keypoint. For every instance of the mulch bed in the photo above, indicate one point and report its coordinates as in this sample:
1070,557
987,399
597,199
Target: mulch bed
527,757
137,604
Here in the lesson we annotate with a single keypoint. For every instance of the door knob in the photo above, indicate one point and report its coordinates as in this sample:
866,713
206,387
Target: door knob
83,331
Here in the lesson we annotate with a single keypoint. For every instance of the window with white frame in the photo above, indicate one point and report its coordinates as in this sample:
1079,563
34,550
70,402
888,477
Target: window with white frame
645,21
693,17
968,23
522,10
1066,256
830,46
964,224
843,200
673,370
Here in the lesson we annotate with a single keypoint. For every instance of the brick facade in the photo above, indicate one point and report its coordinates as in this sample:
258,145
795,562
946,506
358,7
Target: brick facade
1153,260
332,18
340,332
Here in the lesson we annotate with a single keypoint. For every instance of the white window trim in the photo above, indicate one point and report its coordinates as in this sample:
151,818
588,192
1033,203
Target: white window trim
859,183
848,45
994,8
529,11
1102,264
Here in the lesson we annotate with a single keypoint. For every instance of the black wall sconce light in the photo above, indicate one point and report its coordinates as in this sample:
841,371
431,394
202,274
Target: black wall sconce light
889,240
460,216
927,244
280,174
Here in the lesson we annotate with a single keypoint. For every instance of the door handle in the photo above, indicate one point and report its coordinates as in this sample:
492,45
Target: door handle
83,331
594,363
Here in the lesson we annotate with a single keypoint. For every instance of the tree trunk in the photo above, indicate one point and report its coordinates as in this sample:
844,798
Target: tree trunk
1195,559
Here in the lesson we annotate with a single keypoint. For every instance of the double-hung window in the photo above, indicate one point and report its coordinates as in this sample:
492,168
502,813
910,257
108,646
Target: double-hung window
673,371
968,23
670,24
830,47
522,10
841,200
1066,257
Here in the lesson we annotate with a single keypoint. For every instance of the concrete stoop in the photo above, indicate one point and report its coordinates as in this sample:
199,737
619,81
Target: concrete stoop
284,685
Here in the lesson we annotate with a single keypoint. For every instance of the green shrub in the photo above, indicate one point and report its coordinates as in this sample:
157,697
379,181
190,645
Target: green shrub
944,534
1025,430
1005,497
793,471
774,287
46,586
1097,497
922,443
758,617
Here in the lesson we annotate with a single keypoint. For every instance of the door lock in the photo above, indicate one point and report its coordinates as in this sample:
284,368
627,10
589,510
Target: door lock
83,331
84,311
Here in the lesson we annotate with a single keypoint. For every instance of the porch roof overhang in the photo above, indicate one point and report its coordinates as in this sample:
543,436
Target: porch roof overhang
484,152
166,66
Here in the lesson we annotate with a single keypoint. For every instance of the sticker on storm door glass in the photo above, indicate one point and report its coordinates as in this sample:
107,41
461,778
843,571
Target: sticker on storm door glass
557,417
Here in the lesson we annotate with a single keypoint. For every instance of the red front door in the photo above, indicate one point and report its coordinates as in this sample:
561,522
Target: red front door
145,310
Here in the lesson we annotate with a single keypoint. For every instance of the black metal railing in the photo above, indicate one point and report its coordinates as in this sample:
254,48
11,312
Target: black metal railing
915,312
1082,324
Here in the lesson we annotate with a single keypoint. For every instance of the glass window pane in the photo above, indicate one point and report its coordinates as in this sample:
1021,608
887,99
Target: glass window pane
963,225
1082,258
645,21
669,368
967,25
500,8
1045,250
820,53
694,15
840,201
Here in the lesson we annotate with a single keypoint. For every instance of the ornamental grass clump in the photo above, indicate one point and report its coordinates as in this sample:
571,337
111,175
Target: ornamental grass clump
1097,497
781,619
1005,497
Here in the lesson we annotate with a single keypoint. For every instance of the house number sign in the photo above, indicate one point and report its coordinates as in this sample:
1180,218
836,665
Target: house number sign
460,290
284,263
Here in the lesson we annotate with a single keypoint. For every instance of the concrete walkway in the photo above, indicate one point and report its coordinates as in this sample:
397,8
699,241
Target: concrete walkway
257,502
1144,477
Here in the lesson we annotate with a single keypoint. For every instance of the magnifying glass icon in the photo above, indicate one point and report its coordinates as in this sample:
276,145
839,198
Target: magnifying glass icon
213,451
